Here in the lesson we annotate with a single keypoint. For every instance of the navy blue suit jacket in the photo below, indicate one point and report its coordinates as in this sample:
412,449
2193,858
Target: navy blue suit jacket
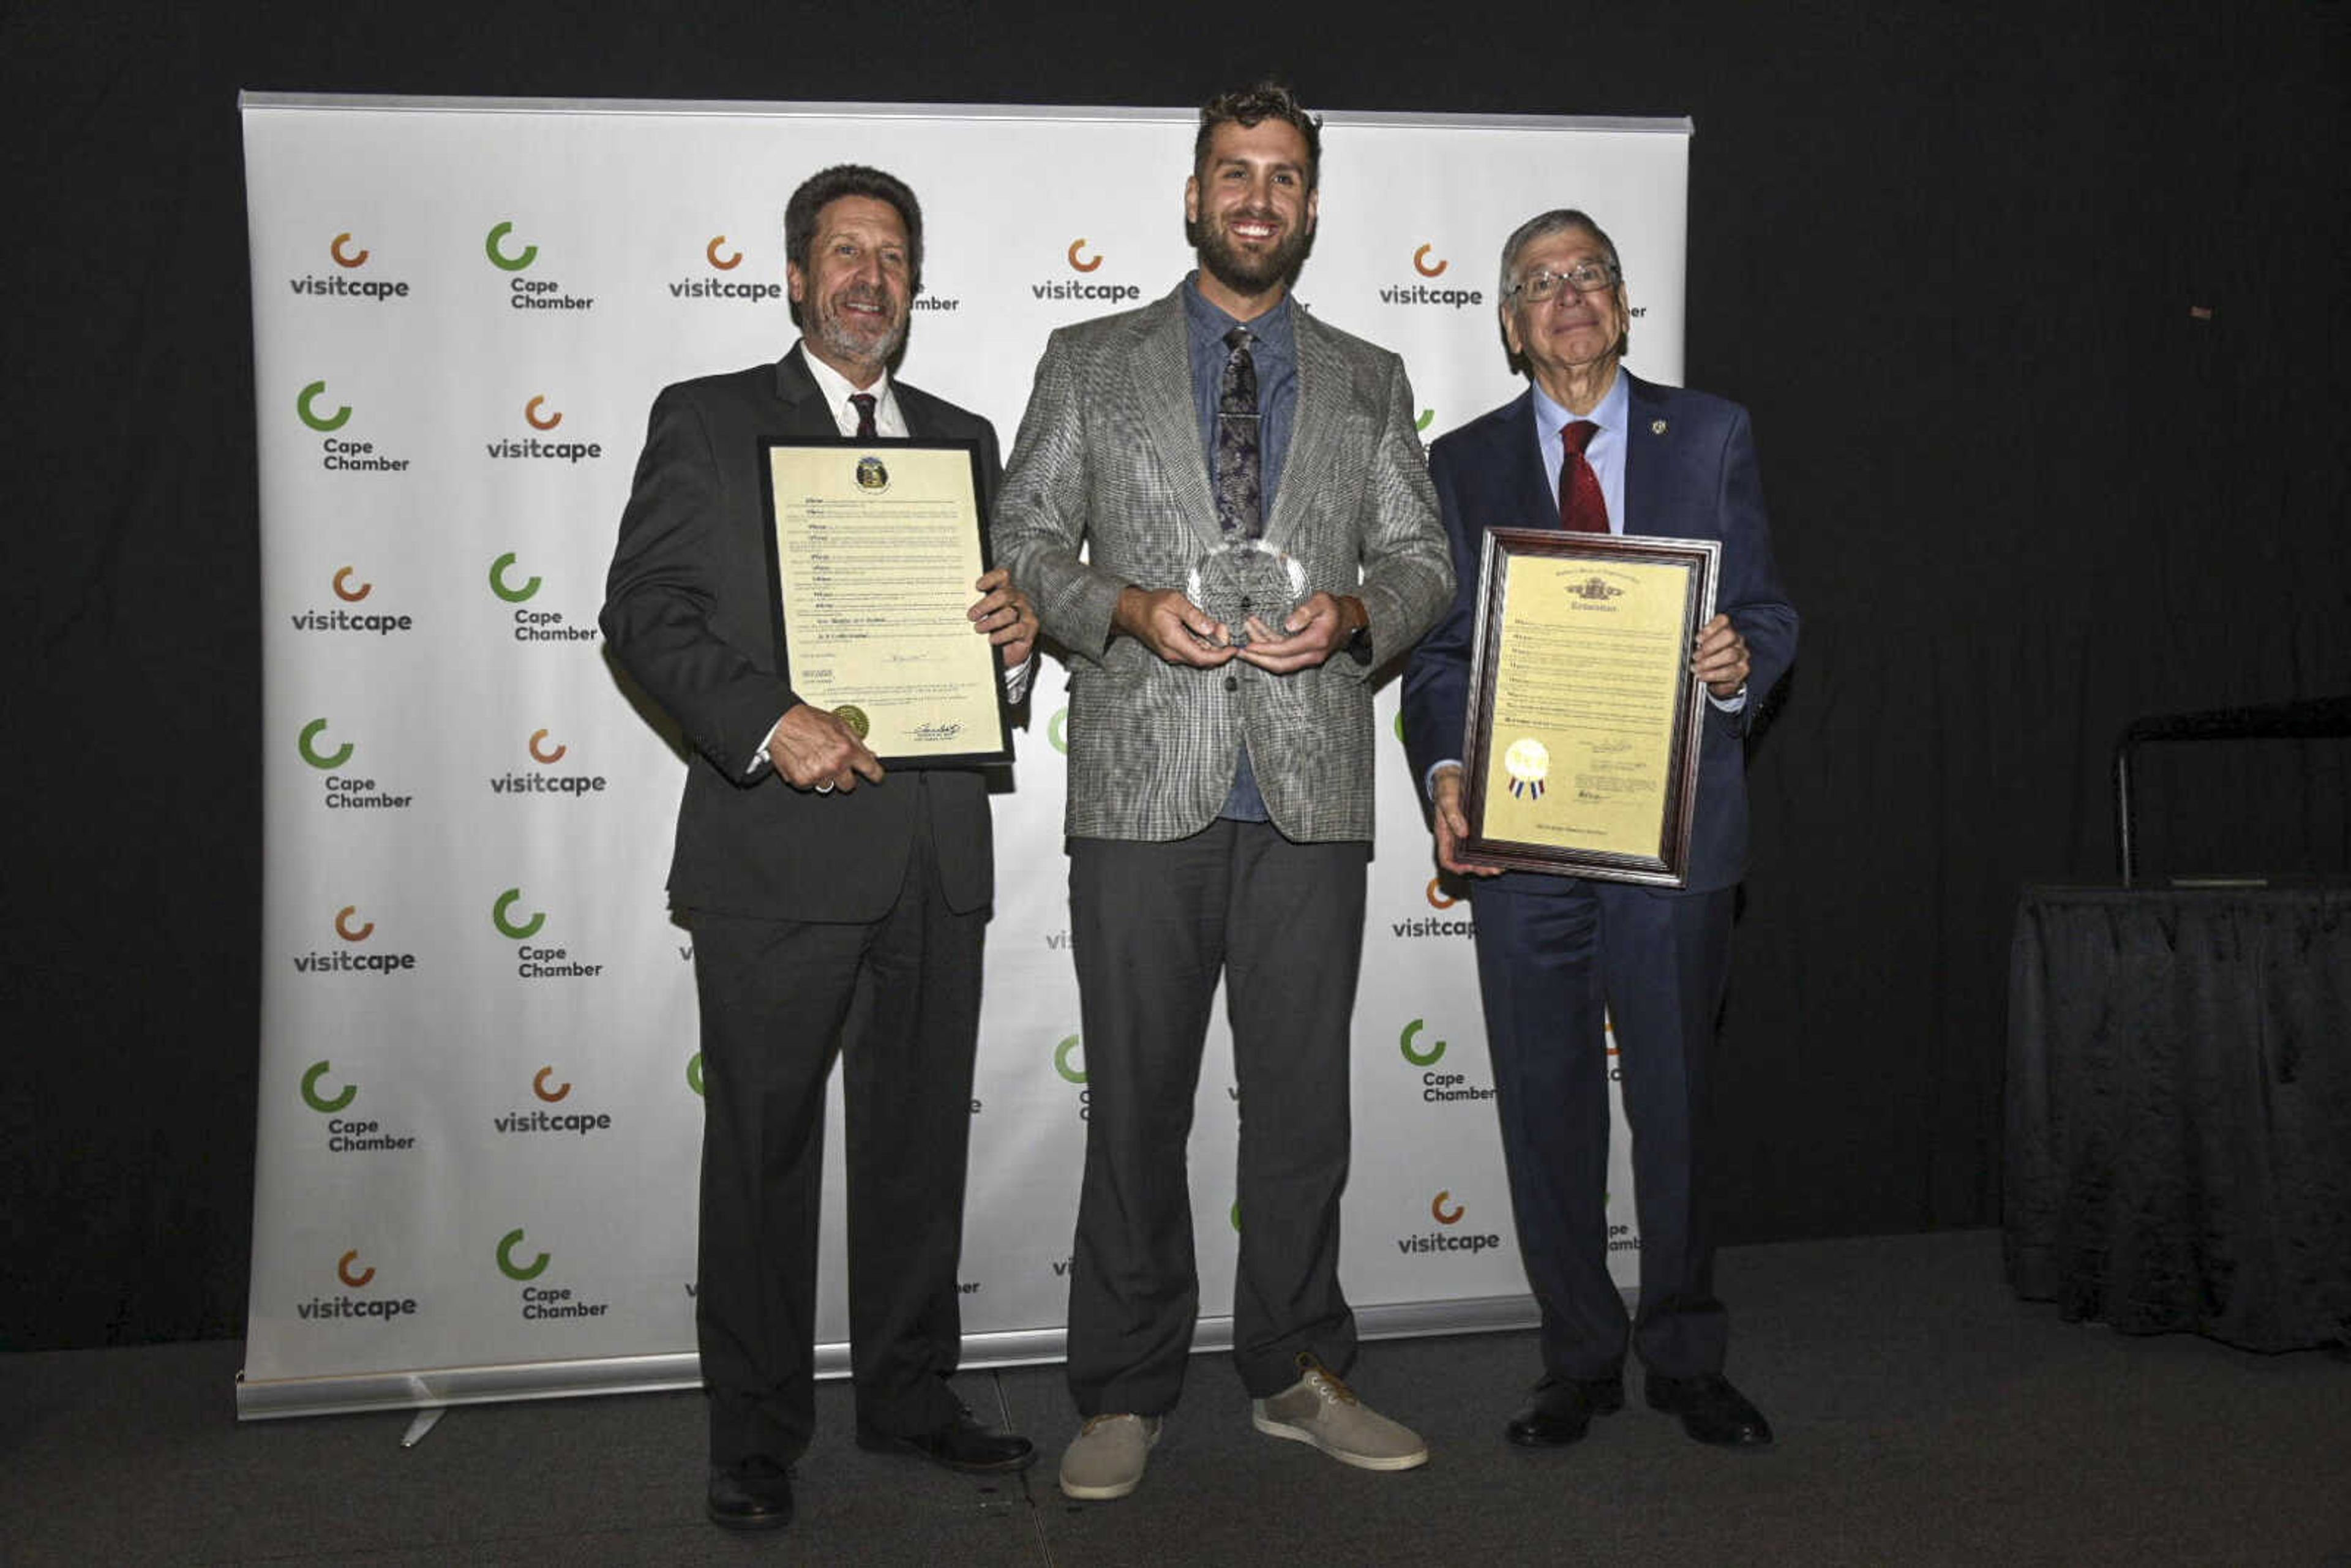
1690,473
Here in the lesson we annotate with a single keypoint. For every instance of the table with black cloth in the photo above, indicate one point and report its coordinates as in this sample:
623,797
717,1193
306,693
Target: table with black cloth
2178,1112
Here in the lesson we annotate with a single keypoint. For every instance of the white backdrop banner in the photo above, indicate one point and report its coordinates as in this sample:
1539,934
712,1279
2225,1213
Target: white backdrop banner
480,1118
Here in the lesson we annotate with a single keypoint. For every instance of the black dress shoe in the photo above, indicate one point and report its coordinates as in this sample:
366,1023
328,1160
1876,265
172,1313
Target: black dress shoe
756,1495
1560,1410
963,1444
1711,1410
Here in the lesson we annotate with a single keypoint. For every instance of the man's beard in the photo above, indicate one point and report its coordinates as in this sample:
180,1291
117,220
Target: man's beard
833,330
1246,273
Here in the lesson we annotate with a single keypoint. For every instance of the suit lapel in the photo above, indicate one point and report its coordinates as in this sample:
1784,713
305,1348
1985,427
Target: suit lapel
1646,458
804,401
1324,385
1524,489
1161,385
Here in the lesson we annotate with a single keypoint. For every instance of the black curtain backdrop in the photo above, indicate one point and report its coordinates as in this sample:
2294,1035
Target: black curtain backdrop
2040,310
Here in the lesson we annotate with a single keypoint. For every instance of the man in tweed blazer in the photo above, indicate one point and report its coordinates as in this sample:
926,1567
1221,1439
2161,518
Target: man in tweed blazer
1220,779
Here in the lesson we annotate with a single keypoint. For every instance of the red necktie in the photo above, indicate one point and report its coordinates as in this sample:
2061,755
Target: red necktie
865,430
1582,509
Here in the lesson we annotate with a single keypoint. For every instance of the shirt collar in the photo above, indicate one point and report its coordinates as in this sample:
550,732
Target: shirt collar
1275,328
836,387
1613,415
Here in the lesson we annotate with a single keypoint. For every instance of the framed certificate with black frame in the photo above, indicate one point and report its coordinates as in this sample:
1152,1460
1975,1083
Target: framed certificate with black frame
873,545
1582,745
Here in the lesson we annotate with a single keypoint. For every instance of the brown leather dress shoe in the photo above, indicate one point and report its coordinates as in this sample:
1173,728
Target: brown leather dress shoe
1560,1410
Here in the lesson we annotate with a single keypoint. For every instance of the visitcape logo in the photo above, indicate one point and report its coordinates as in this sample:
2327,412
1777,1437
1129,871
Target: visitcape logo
1417,927
343,929
723,289
353,930
537,415
533,1119
1425,264
336,251
537,740
1451,1240
354,1275
1437,897
1085,262
334,618
349,255
536,783
539,1086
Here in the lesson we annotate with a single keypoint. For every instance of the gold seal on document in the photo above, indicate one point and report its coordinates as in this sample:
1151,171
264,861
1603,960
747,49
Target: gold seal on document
1528,762
854,717
872,477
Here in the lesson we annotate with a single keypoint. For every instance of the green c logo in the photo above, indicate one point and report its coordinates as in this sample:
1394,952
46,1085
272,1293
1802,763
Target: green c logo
529,927
1427,417
507,1265
499,580
1061,1054
1234,1214
322,423
1056,730
313,1099
333,759
1416,1058
502,261
693,1073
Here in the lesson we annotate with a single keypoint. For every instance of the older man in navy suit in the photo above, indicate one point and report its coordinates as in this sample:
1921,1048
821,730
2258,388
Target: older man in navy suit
1599,448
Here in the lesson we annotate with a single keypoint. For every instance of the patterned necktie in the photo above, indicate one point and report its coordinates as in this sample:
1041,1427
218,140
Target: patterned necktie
864,401
1582,509
1241,496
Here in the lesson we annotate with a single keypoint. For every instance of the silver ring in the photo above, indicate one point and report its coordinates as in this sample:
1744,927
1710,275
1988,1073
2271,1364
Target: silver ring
824,789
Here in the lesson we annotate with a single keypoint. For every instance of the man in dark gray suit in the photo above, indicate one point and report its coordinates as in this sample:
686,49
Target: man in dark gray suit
1220,777
833,909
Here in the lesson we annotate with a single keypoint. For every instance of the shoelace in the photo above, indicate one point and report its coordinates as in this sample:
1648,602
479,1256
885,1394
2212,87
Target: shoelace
1327,1385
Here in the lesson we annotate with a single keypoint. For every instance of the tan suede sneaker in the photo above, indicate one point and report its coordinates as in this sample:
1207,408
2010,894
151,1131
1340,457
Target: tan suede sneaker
1106,1459
1320,1410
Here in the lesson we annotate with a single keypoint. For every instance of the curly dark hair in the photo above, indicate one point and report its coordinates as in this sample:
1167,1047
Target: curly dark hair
1249,105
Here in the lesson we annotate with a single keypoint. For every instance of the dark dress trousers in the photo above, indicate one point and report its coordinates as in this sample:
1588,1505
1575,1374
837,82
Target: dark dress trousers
847,923
1552,952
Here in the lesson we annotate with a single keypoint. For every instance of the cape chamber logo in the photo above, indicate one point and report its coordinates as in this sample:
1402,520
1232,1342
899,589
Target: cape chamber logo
1416,291
1069,1061
513,584
511,254
545,751
353,1306
346,1134
343,793
541,415
536,961
349,588
1436,1088
1085,262
340,453
344,284
541,1302
1452,1238
725,289
353,957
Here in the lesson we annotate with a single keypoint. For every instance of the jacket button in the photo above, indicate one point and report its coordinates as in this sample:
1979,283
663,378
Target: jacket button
1232,683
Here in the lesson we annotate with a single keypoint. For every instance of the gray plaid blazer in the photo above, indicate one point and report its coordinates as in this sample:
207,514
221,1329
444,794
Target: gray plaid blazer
1108,457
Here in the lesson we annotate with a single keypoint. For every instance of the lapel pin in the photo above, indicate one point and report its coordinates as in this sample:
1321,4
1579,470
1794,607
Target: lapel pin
1656,427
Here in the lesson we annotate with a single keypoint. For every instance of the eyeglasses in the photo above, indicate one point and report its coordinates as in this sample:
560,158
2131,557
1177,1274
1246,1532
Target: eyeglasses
1584,278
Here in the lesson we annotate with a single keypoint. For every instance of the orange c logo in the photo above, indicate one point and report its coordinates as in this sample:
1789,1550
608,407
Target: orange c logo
336,250
539,1086
1437,897
711,250
1437,1209
343,1270
1420,263
530,411
538,756
343,924
1076,246
348,594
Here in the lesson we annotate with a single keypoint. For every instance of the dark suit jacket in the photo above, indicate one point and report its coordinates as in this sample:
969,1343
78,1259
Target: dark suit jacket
1690,473
688,613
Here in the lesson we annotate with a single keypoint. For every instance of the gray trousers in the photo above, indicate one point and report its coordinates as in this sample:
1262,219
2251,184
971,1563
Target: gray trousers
1152,927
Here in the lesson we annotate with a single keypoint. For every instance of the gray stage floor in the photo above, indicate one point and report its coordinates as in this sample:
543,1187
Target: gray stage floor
1923,1416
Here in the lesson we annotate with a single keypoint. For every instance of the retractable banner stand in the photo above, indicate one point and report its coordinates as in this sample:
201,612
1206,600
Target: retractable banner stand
480,1108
